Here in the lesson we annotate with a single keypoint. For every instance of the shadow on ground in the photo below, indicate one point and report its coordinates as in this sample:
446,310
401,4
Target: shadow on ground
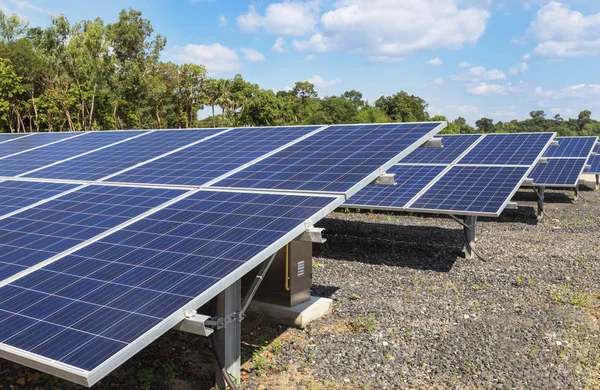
392,245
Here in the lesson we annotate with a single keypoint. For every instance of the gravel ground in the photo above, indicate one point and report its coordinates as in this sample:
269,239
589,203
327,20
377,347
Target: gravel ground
411,312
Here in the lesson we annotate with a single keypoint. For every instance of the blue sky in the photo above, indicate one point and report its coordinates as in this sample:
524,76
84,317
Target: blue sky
471,58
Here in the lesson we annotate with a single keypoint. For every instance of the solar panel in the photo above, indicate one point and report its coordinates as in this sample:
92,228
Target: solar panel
5,137
15,195
410,179
558,172
508,149
594,163
335,159
471,190
452,147
98,306
210,159
34,141
37,158
38,233
576,147
105,162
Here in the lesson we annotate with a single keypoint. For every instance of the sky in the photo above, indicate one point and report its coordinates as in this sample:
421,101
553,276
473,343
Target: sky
472,58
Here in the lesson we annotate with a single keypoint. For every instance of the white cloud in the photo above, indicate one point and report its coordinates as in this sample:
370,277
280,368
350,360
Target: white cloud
316,43
464,64
222,21
287,18
320,83
216,57
463,109
578,91
518,69
435,61
310,57
485,89
479,73
391,30
252,55
562,32
436,83
279,45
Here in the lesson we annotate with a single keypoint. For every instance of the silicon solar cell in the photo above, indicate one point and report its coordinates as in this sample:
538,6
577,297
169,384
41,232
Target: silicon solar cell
558,172
410,179
85,308
471,190
508,149
101,163
33,141
34,159
210,159
38,233
335,159
576,147
452,147
594,163
15,195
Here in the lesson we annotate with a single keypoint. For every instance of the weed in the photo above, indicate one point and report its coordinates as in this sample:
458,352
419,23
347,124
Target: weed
480,287
530,281
371,323
276,345
582,259
389,218
170,370
146,377
519,281
354,297
317,265
453,379
534,349
580,299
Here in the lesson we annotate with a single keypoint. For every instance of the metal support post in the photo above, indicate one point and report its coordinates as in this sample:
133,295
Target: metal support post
598,182
540,201
228,339
470,222
576,192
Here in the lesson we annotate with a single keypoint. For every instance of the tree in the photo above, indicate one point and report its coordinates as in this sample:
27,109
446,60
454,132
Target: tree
485,125
403,107
10,89
211,96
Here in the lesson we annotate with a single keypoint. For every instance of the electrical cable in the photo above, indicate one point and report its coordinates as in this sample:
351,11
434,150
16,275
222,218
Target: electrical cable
555,220
219,359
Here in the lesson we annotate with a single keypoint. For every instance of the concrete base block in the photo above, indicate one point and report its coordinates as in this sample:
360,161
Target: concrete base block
299,315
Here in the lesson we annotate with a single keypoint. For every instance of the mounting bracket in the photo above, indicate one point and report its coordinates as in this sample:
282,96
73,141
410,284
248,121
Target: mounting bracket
385,179
433,143
312,234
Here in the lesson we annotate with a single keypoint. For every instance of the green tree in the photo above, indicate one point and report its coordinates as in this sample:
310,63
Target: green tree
10,89
403,107
485,125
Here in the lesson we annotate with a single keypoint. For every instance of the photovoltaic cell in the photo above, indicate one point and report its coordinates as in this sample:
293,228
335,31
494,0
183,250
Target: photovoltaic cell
111,160
472,189
558,172
576,147
15,195
34,159
210,159
508,149
84,308
452,147
334,160
36,234
410,179
33,141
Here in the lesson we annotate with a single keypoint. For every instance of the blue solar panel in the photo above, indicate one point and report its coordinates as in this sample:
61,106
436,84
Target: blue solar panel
594,163
84,308
4,137
410,179
15,195
334,160
472,189
452,147
34,159
508,149
208,160
99,164
572,147
36,234
33,141
558,172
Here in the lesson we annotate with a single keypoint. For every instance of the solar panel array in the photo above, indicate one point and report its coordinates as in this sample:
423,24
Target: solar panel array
107,238
565,163
470,175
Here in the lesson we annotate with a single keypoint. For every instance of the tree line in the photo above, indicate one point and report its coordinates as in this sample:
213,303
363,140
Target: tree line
94,76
